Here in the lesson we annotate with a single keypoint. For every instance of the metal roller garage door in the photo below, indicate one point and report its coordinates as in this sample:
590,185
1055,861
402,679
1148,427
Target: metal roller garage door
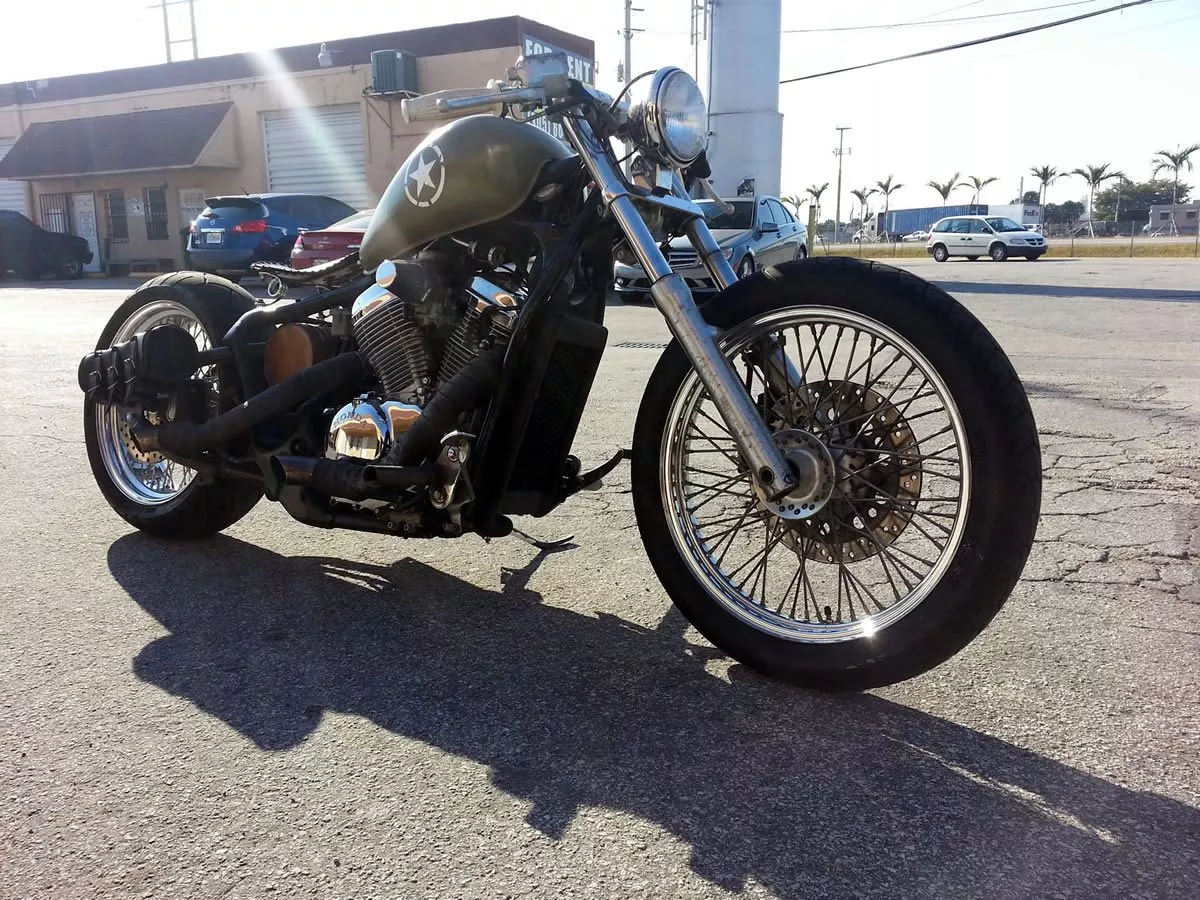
319,150
12,193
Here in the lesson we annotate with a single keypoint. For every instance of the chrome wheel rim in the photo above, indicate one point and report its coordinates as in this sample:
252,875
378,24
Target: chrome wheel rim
148,479
895,519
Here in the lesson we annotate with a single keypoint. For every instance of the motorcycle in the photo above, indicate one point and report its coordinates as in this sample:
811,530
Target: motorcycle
835,469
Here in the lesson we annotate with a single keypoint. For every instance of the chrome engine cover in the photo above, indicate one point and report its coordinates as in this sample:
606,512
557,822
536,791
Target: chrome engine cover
367,428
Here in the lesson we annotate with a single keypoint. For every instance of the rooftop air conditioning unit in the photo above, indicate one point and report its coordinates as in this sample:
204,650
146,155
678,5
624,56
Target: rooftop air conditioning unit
394,71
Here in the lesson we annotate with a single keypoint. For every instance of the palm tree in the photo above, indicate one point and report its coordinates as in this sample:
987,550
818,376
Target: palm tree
795,201
1166,161
1096,176
863,195
946,189
1046,176
887,187
815,191
974,181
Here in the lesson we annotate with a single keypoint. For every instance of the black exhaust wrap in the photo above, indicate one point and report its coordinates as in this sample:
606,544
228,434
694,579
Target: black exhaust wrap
189,439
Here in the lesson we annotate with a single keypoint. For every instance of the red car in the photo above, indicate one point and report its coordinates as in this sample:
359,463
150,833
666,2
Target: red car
334,242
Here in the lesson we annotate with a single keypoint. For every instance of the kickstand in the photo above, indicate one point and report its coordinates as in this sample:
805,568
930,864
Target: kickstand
547,546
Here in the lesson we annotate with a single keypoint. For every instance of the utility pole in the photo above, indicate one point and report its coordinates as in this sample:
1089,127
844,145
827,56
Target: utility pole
191,36
699,32
627,74
839,153
628,32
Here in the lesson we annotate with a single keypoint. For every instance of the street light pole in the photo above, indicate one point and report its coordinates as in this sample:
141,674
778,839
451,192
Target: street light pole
839,153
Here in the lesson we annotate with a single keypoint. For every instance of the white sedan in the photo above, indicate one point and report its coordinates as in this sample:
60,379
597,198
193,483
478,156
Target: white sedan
915,237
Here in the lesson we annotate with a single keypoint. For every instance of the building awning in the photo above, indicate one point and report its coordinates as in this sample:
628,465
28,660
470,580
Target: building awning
150,140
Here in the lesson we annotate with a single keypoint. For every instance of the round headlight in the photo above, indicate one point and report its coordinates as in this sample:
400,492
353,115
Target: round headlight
672,119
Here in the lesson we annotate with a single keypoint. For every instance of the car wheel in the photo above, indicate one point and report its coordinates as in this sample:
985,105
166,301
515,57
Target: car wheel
940,254
69,267
972,258
801,252
998,252
746,267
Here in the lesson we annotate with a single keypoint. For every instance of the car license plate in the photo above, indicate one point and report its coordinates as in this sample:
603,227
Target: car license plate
213,237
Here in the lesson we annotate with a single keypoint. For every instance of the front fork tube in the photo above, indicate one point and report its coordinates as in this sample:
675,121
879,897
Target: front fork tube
782,377
673,298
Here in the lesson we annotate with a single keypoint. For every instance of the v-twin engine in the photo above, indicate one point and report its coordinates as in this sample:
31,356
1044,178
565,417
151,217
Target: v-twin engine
415,340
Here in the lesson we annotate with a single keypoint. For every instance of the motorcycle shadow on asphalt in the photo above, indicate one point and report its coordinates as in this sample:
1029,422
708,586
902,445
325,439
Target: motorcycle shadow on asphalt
806,794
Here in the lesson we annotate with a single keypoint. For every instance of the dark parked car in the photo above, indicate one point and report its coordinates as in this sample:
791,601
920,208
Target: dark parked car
31,251
234,232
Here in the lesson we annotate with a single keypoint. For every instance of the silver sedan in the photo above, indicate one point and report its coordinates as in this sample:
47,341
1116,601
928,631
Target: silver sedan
760,231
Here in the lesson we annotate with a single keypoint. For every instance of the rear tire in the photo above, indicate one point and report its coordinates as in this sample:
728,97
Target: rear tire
999,512
198,509
940,253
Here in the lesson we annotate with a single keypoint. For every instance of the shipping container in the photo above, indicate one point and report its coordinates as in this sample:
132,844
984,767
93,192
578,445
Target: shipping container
899,222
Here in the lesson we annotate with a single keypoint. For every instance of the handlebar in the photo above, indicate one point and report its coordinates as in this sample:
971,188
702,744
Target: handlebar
452,103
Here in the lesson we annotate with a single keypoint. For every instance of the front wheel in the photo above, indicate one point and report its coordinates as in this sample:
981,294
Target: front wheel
147,490
998,252
69,267
923,478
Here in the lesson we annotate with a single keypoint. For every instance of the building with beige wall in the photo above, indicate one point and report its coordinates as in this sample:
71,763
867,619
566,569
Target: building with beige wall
126,158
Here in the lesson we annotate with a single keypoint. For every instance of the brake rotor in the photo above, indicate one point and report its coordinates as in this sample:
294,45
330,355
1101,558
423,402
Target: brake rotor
878,463
132,449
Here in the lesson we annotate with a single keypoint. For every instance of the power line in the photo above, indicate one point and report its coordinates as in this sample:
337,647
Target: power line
963,44
921,23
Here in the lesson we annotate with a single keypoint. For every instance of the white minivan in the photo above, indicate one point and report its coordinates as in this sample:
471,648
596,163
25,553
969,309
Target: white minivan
976,236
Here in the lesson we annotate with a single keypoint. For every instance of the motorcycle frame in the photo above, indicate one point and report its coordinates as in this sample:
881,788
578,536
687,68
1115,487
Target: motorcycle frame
614,205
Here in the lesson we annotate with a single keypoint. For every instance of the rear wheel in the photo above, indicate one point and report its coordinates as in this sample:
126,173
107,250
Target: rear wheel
925,479
940,253
998,252
147,490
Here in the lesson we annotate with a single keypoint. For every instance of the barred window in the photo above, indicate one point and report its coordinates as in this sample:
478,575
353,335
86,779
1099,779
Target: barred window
115,223
156,213
56,213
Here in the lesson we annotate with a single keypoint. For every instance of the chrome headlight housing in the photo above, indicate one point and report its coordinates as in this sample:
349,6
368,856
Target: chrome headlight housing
671,120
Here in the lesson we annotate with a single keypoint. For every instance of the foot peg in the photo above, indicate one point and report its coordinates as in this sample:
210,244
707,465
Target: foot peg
591,480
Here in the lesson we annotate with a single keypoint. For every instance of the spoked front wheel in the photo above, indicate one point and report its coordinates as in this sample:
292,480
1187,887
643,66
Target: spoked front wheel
919,468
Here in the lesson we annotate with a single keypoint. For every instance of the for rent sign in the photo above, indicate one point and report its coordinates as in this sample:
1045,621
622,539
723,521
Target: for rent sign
577,67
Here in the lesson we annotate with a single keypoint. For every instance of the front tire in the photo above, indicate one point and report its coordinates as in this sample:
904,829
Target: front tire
998,252
829,646
149,492
69,267
746,267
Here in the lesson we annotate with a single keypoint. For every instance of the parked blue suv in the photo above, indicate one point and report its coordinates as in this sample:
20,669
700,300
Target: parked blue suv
234,232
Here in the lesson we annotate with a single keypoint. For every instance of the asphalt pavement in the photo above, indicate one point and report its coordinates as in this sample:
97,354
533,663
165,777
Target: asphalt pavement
287,712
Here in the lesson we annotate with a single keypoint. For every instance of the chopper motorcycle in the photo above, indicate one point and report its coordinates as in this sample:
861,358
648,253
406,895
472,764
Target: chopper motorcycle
835,469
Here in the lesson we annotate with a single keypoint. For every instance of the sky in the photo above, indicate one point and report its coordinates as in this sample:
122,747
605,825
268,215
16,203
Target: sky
1114,89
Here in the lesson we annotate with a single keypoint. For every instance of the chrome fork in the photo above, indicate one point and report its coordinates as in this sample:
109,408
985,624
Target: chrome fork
674,300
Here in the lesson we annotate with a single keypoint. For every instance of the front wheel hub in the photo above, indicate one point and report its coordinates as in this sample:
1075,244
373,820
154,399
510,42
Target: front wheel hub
815,472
